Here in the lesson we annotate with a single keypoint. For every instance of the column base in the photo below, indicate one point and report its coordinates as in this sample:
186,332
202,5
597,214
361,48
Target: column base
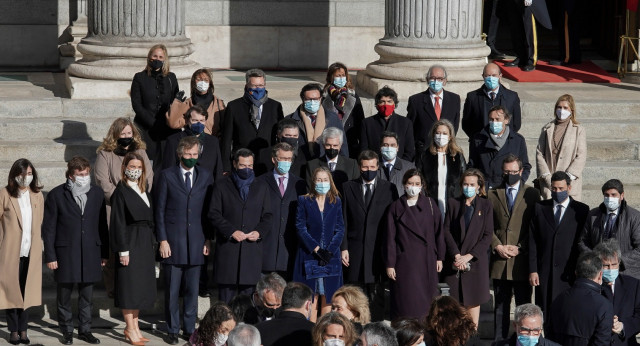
85,88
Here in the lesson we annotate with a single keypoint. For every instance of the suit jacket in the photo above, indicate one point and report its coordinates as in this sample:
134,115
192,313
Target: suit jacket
374,126
553,250
346,169
288,328
280,243
209,158
581,316
239,263
365,229
239,131
626,305
400,167
513,341
512,228
475,114
265,165
421,112
76,240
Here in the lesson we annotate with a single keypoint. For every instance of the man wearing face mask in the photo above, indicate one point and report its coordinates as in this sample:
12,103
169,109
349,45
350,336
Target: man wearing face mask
364,204
615,219
553,241
581,315
342,168
250,121
429,106
527,323
387,120
241,215
288,132
76,245
489,147
392,168
475,114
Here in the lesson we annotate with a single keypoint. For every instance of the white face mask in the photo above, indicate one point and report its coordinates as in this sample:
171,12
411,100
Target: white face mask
133,174
612,203
24,181
220,339
333,342
81,181
412,191
441,140
202,86
562,114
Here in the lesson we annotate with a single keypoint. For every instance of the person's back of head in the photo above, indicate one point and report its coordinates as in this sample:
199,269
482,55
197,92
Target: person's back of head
589,267
295,296
244,335
243,309
378,333
449,323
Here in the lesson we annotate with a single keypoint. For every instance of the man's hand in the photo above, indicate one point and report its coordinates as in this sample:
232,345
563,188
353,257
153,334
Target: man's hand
239,236
207,247
534,279
52,265
502,251
103,262
528,3
617,325
124,260
438,266
165,249
345,257
391,273
513,250
253,236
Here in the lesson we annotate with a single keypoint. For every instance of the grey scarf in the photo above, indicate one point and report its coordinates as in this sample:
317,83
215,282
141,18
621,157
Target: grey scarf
79,193
500,141
255,107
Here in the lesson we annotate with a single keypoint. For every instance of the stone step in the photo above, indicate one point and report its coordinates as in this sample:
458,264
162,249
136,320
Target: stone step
43,150
54,128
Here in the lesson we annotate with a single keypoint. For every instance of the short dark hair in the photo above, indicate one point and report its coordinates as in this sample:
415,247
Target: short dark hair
295,295
195,108
287,123
613,184
412,173
280,146
367,155
386,134
77,163
310,86
512,158
242,152
560,175
502,108
589,265
379,333
408,331
387,92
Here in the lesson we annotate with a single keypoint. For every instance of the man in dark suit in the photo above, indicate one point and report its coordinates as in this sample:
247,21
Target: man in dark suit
522,19
76,245
291,326
387,120
622,291
513,207
432,105
183,233
527,322
241,214
475,114
392,168
250,121
289,133
341,167
279,244
553,241
581,316
364,205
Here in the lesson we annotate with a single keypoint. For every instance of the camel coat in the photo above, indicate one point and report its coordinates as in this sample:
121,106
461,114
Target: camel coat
213,125
10,238
108,170
570,159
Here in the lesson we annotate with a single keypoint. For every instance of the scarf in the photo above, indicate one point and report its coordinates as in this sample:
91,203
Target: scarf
342,100
203,100
500,141
120,151
559,130
313,133
79,193
242,184
255,106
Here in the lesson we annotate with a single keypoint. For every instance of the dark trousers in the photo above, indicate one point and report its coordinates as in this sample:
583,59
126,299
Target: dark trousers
17,318
175,277
503,291
228,292
491,22
523,32
204,275
65,316
569,33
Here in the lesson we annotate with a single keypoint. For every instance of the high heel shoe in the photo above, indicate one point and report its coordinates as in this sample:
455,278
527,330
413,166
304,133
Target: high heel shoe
142,338
127,338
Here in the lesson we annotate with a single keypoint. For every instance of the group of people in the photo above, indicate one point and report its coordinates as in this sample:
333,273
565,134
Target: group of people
323,198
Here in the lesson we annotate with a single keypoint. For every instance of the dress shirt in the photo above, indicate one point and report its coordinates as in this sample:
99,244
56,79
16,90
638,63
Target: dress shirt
24,201
134,185
433,97
442,183
564,205
277,176
183,171
514,193
615,212
488,92
372,185
335,160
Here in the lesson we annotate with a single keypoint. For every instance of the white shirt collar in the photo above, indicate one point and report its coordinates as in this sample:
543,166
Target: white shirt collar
433,95
488,92
564,204
392,162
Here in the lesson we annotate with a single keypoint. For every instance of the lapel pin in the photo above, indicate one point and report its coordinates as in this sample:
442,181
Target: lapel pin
479,212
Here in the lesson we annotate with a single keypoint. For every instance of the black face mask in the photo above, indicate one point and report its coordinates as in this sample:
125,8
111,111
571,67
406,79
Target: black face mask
125,142
511,179
331,153
291,141
155,64
368,175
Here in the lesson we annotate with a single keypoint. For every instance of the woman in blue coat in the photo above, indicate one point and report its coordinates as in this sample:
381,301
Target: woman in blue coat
320,228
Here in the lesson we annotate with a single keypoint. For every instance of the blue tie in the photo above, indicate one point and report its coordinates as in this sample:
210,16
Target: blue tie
510,199
187,181
558,214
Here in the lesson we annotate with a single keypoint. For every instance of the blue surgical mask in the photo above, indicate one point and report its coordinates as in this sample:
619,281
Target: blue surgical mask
323,187
469,191
612,203
491,82
560,196
197,128
340,82
495,127
528,340
389,153
284,166
435,85
610,275
258,93
312,106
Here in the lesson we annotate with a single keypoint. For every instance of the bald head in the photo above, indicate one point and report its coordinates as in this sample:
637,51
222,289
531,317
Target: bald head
491,69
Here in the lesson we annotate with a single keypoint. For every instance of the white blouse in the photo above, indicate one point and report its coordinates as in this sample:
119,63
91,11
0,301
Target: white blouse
442,183
136,188
24,201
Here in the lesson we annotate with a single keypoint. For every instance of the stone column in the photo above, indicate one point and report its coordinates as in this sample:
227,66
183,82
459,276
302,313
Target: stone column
120,33
420,33
74,33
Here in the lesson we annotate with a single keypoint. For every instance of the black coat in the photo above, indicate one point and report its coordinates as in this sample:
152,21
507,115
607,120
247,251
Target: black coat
372,129
280,243
77,241
581,316
364,230
209,159
513,341
484,156
421,112
626,305
288,328
265,165
346,169
475,114
400,167
455,167
352,126
239,263
553,251
239,131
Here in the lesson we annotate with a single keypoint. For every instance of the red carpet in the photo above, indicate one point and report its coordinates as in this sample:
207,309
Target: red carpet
586,72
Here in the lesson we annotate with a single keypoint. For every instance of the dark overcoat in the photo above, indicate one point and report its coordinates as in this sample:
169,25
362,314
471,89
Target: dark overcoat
364,224
239,263
209,157
421,112
346,169
472,287
456,165
626,305
400,167
374,126
265,164
475,114
414,243
77,241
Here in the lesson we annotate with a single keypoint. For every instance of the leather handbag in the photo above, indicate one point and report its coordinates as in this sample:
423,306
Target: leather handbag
313,270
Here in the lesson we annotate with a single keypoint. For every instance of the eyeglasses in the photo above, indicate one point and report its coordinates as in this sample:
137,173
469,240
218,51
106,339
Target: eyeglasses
511,172
527,331
439,79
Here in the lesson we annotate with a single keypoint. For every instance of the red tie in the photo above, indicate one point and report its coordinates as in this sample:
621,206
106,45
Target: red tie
437,107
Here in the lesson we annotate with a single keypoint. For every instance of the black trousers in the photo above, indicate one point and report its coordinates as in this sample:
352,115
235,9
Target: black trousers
65,316
204,275
523,32
491,22
504,290
228,292
569,32
17,319
181,278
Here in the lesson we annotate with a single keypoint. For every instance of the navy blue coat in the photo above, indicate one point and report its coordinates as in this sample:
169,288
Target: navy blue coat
626,305
209,158
75,240
180,214
318,229
475,114
374,126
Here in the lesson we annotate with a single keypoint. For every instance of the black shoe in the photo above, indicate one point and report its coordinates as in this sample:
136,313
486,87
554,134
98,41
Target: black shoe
528,68
88,338
186,336
571,62
67,338
513,63
497,55
204,293
555,62
14,338
24,339
172,339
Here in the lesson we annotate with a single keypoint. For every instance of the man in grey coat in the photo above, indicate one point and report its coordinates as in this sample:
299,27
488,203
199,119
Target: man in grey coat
613,218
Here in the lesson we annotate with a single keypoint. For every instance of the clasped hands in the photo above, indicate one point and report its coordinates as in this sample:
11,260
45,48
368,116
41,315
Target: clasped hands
460,262
241,236
507,251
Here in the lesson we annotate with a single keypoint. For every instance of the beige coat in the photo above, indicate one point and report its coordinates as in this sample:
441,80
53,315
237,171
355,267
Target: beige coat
571,158
10,239
108,169
213,125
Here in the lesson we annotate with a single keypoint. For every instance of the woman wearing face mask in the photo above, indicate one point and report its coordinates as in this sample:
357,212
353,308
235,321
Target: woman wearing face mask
414,250
152,91
468,232
409,332
351,302
320,227
333,329
340,98
442,164
214,328
20,248
562,147
133,242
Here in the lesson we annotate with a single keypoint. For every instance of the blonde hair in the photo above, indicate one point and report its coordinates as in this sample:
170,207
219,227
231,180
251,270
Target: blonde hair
357,302
110,142
572,104
452,147
333,193
142,181
165,62
333,318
